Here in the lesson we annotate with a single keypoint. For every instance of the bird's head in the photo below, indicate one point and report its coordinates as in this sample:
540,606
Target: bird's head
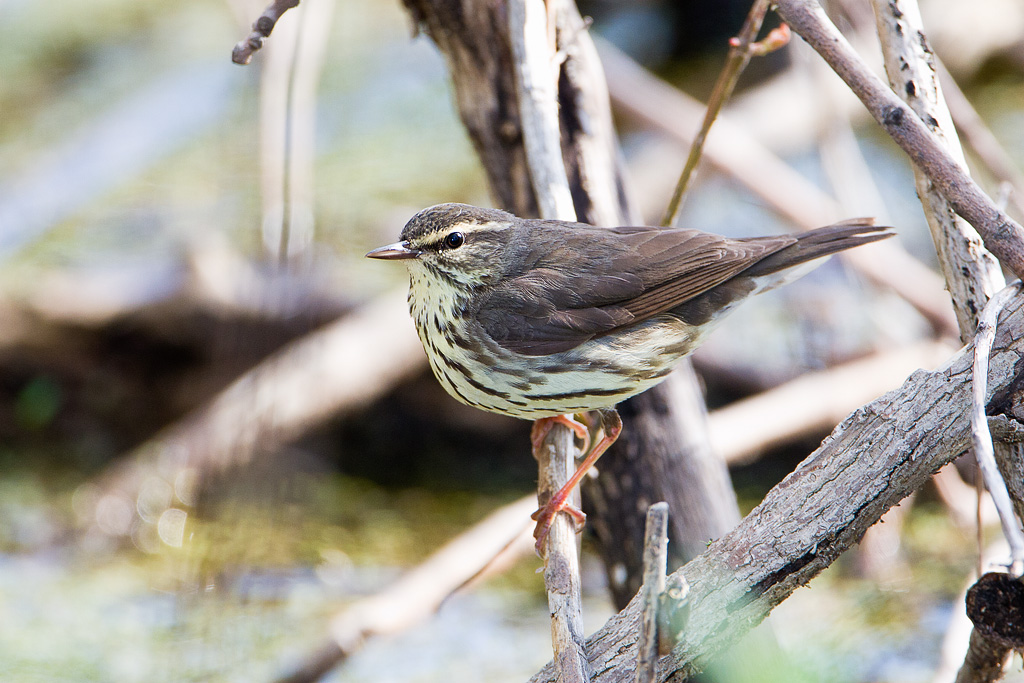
457,243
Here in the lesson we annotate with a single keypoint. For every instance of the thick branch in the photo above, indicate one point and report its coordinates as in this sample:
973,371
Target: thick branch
875,458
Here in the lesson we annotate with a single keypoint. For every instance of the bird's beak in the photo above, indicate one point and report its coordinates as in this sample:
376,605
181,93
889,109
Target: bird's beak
391,252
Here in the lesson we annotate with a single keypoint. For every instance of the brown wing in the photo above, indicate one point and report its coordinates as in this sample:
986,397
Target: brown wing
603,279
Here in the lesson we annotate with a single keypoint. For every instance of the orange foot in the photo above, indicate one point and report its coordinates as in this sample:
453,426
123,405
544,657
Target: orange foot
544,516
543,426
611,425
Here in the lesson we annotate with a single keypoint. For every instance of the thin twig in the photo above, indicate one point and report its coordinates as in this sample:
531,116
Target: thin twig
1003,236
261,28
655,565
740,52
980,436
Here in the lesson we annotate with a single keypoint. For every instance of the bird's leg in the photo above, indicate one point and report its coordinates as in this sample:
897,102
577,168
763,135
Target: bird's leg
611,426
541,427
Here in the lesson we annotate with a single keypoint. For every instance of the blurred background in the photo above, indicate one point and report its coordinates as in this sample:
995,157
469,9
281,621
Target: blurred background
215,433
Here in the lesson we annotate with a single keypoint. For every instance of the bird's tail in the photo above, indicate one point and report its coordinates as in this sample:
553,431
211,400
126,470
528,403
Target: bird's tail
815,244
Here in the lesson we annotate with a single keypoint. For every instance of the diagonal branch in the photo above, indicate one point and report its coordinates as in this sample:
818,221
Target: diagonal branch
873,459
740,53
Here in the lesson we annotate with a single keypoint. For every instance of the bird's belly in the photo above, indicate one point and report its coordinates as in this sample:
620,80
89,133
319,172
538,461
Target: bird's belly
596,374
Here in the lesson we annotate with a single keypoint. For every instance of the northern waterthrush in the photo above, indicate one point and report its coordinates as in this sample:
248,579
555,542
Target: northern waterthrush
539,319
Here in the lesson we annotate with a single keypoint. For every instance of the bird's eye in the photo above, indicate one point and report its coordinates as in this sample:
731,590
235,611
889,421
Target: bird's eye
454,240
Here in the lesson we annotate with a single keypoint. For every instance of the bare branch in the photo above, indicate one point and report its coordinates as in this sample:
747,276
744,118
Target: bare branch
415,596
655,566
980,436
536,75
984,662
995,605
971,274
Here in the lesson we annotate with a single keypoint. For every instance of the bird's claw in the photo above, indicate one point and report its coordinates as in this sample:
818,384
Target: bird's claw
543,426
545,517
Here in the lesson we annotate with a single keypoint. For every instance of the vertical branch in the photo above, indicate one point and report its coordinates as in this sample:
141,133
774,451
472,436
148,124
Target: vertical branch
972,275
981,439
590,146
655,564
275,85
536,78
309,60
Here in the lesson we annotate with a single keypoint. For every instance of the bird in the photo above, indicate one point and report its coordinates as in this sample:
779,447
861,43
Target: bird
545,319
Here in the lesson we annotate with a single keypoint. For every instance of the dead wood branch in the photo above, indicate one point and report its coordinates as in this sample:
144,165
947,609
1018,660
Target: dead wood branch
984,661
533,39
995,605
972,275
873,459
655,564
981,439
